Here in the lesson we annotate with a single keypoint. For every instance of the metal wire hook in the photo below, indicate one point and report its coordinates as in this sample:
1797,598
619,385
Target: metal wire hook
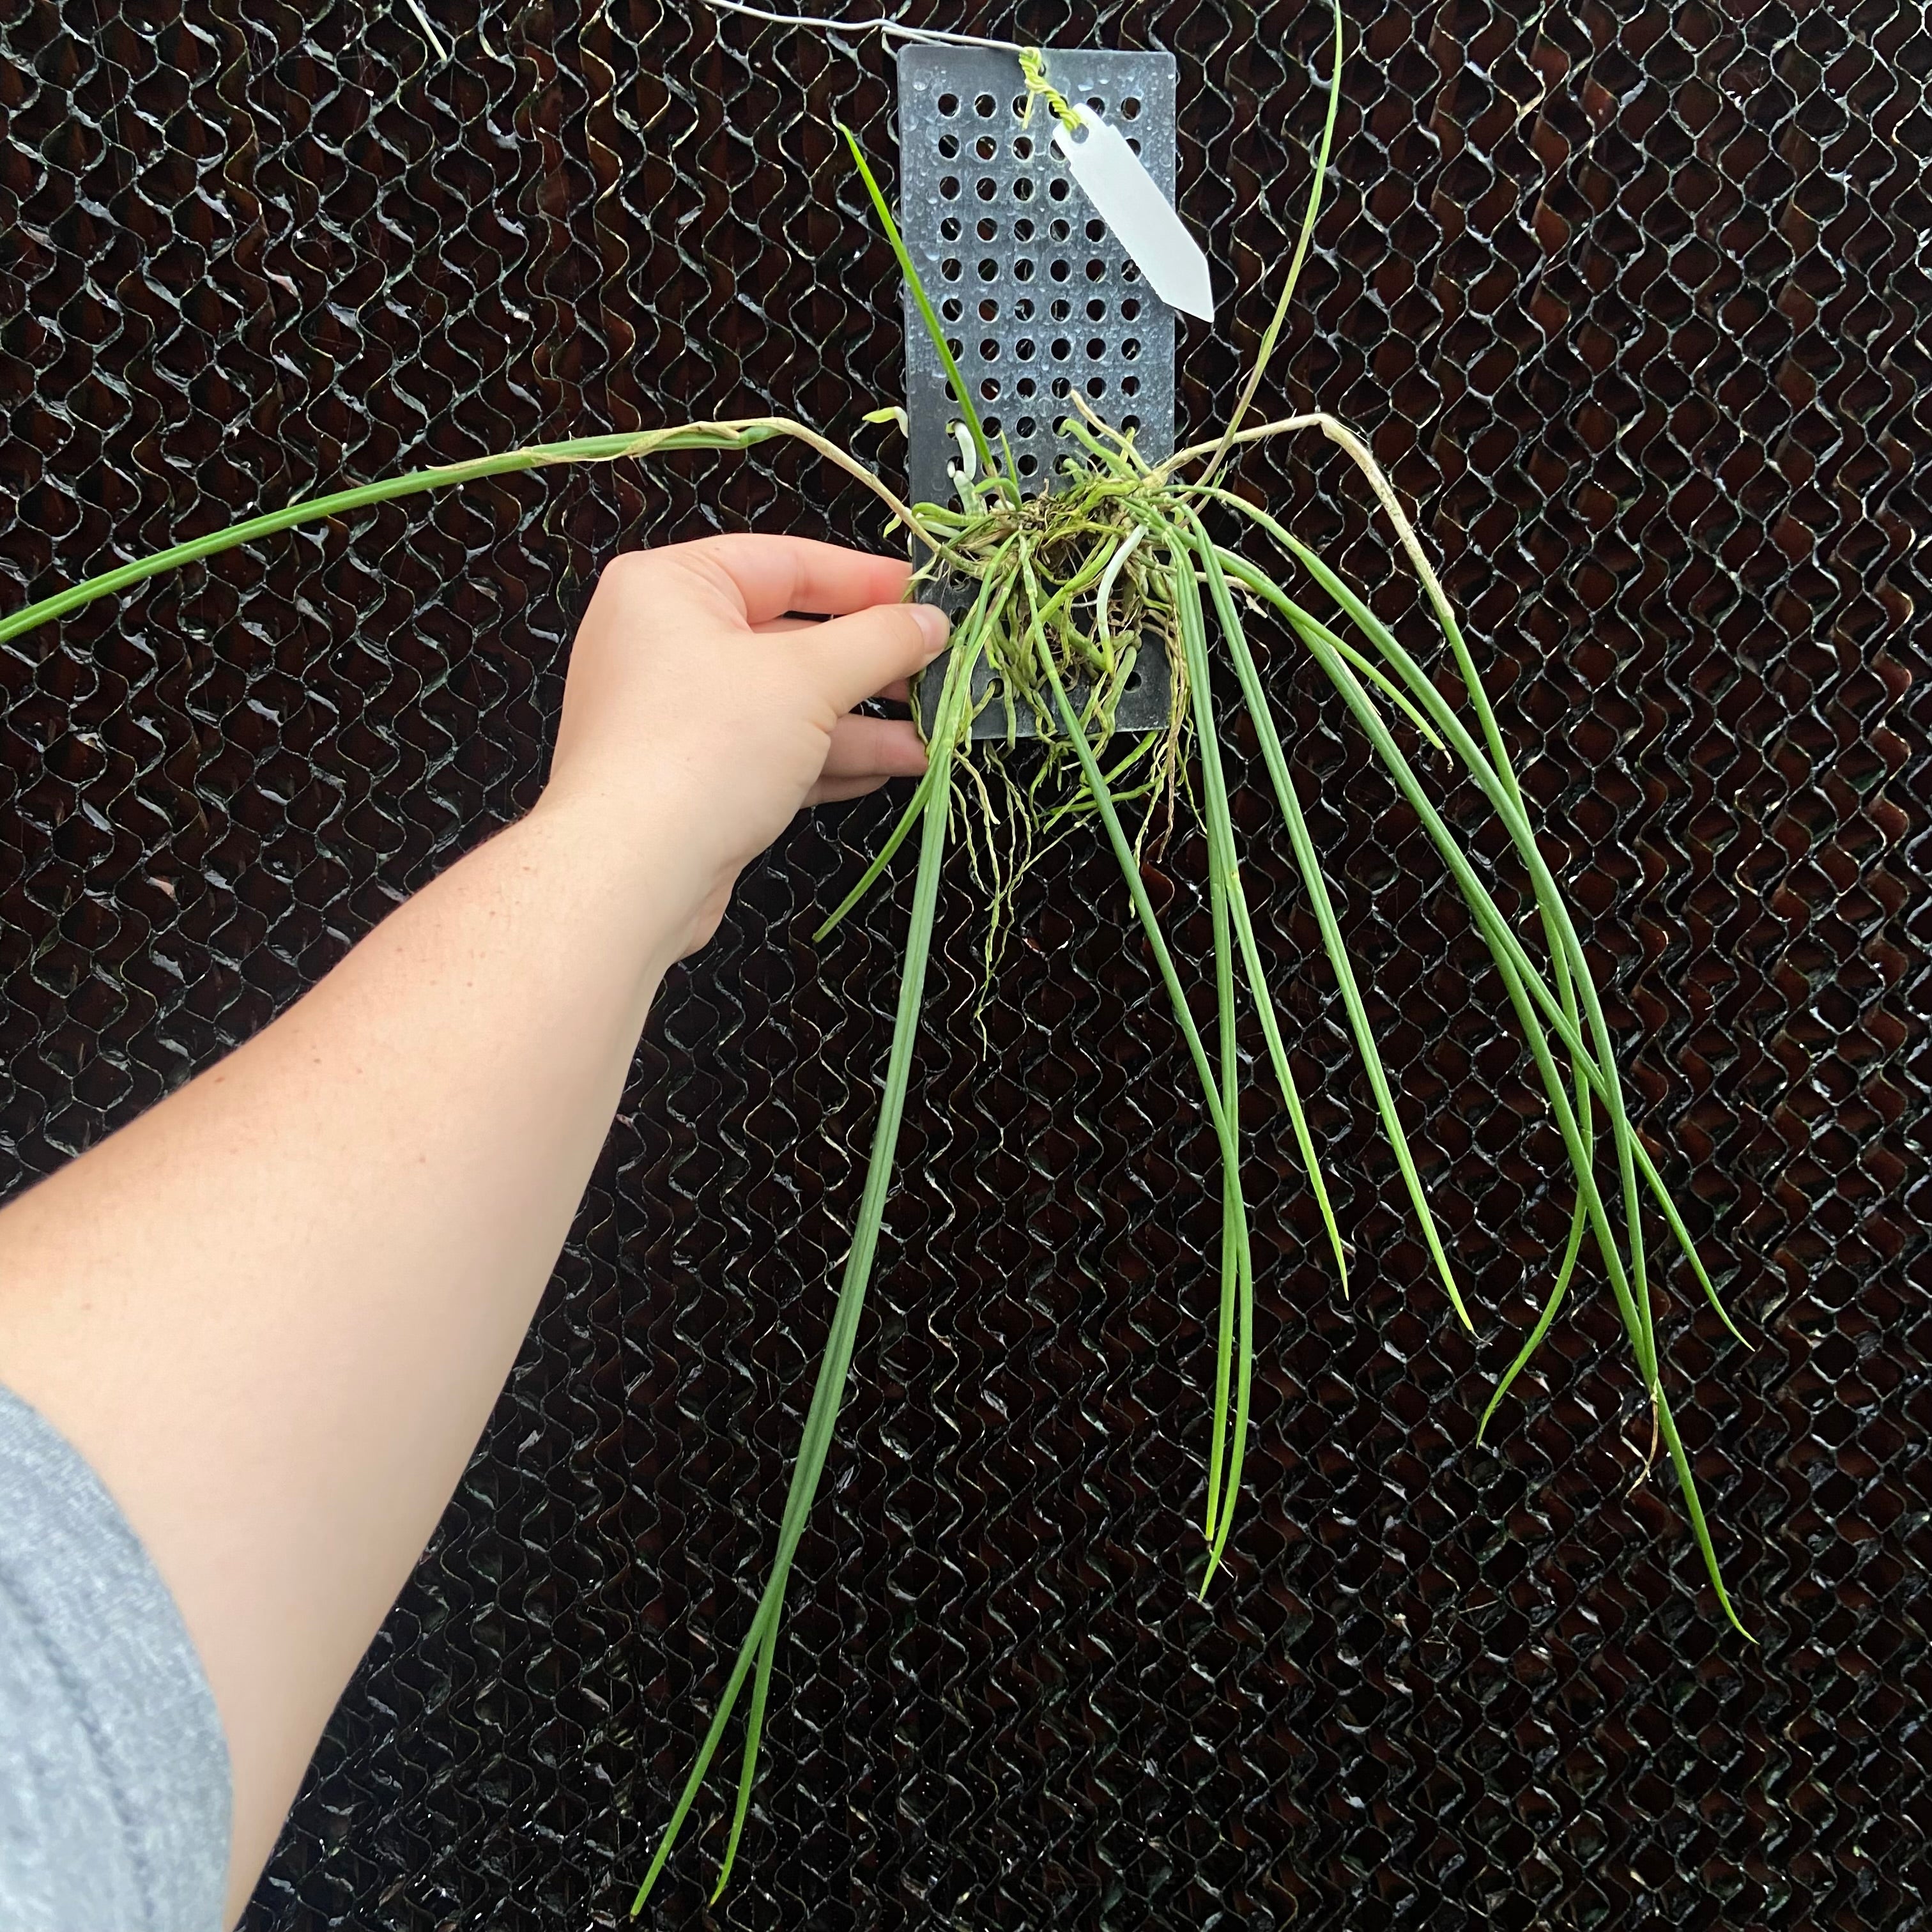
892,29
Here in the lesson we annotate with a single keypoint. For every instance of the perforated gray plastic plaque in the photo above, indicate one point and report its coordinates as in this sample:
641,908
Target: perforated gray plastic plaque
1036,296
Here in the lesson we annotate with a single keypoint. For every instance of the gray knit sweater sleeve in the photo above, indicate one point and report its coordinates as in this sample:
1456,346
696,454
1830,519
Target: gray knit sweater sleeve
114,1792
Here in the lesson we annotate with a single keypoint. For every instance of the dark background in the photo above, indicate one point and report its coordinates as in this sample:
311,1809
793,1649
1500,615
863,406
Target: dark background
1631,298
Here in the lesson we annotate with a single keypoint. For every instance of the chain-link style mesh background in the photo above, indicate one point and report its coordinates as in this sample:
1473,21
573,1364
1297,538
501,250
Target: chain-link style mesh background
1631,298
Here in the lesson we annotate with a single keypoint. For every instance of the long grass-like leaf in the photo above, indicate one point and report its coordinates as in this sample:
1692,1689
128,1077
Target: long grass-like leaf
1385,640
1366,666
1573,975
1579,1222
987,606
828,1393
1566,951
961,394
914,814
1365,619
1490,918
1225,875
1495,772
1315,884
1272,334
1518,973
1220,819
741,433
1623,1286
1496,929
1137,891
1235,1292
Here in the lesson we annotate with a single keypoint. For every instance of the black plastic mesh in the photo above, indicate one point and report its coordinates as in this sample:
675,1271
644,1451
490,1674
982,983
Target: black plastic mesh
1632,299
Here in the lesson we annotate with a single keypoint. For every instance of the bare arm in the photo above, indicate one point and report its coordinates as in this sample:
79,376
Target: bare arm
274,1313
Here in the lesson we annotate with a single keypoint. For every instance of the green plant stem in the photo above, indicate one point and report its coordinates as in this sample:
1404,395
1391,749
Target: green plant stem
1506,800
1565,955
961,394
1264,353
1219,1113
1236,1292
829,1392
1517,973
988,607
1225,876
1315,884
741,433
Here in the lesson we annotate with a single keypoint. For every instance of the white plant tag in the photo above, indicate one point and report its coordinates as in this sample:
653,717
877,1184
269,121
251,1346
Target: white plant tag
1125,197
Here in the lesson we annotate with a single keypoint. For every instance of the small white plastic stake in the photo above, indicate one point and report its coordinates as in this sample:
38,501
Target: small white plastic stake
1125,196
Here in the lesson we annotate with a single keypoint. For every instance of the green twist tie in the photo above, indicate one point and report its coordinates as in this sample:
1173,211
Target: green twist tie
1033,65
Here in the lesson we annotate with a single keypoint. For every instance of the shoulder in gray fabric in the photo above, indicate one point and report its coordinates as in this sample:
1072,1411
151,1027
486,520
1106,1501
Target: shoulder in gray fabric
114,1782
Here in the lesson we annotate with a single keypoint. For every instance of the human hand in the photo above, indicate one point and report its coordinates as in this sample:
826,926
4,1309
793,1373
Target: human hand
700,714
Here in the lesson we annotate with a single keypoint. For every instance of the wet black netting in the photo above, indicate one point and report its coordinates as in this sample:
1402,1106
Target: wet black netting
1631,299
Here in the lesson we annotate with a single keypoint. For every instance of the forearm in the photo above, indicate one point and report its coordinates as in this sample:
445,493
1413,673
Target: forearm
275,1311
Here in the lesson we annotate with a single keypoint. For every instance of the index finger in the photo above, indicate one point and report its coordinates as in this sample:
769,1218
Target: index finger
777,575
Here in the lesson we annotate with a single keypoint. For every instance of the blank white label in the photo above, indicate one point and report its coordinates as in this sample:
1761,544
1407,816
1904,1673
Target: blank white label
1125,198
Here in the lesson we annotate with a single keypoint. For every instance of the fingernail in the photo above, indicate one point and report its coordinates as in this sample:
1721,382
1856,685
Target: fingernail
936,625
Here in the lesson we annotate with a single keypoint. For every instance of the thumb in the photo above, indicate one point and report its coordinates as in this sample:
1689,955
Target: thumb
857,656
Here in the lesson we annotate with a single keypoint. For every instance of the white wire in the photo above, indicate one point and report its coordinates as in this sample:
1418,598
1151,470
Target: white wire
892,28
933,36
